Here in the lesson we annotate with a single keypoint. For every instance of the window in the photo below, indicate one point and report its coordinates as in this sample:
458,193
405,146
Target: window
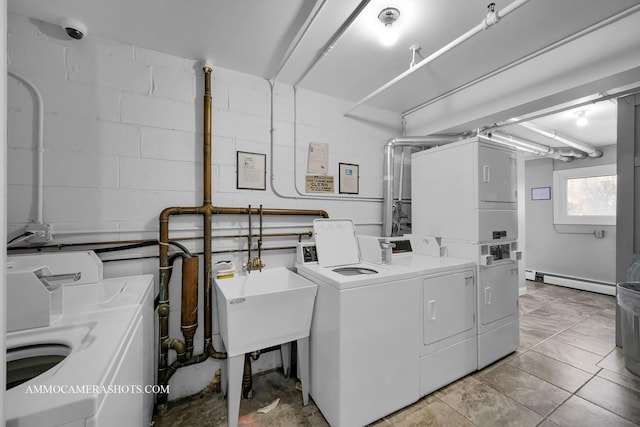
585,195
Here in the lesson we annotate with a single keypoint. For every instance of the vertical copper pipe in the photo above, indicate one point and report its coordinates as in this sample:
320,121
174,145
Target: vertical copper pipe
260,241
249,241
247,377
206,203
189,311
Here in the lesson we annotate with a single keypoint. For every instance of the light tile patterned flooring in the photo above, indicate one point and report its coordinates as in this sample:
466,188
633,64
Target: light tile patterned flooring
567,372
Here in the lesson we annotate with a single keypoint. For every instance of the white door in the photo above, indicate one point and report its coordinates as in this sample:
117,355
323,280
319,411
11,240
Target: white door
449,306
498,291
497,179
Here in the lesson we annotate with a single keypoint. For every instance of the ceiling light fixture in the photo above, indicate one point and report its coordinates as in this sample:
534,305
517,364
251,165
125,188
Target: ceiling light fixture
388,16
582,120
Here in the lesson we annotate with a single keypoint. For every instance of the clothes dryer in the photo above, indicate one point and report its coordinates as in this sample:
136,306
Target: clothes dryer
447,317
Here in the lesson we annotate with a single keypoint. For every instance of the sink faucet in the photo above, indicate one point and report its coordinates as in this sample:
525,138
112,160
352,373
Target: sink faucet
254,264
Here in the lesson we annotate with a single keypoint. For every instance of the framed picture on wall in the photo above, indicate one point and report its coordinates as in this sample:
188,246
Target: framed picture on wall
252,171
349,178
541,193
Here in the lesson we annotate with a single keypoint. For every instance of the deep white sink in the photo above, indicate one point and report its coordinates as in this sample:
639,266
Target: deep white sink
262,309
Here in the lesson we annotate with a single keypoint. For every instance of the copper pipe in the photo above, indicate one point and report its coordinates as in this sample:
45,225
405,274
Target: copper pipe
189,310
247,377
244,211
206,210
249,237
260,241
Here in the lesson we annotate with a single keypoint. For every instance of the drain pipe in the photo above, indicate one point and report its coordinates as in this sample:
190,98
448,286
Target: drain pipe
491,19
578,145
389,166
40,147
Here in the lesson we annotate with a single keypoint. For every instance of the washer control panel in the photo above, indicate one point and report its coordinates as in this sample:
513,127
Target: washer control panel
307,253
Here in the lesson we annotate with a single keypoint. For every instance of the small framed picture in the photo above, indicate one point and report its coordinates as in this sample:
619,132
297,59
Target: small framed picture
541,193
252,171
349,178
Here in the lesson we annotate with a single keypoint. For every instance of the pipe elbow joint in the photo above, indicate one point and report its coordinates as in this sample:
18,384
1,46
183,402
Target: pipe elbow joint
213,353
491,19
179,347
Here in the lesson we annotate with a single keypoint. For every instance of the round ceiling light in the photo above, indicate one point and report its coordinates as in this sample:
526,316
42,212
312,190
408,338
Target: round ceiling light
388,16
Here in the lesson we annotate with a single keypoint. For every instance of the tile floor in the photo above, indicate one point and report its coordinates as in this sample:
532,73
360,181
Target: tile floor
567,372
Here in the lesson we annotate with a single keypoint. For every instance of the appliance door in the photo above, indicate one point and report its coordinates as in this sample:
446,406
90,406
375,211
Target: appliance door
497,292
497,175
449,306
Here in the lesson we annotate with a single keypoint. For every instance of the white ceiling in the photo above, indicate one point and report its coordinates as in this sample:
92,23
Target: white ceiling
255,37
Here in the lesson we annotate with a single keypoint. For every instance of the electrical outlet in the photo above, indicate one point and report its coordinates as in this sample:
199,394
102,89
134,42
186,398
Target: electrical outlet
42,233
599,234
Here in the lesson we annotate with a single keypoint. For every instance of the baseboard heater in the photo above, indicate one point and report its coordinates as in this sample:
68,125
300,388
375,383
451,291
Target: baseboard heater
571,282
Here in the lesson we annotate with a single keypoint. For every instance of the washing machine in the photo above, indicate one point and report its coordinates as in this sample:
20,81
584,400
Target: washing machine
85,360
364,330
447,320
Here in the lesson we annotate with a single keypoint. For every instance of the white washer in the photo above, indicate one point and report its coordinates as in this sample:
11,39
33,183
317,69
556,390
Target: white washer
106,333
364,333
447,321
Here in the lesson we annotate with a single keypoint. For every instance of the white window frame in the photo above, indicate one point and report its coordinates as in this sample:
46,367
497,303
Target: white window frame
560,178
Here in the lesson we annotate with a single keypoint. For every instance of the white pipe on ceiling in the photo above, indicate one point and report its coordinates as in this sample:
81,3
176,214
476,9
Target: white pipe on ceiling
531,146
491,19
527,146
40,145
578,145
540,149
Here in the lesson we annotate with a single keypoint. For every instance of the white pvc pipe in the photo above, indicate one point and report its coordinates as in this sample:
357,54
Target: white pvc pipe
527,146
491,19
40,145
533,146
578,145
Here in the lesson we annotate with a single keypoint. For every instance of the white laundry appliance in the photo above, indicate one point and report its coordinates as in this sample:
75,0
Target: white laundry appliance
364,330
85,362
465,193
448,341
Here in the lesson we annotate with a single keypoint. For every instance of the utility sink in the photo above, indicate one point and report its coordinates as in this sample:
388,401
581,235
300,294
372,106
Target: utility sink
263,309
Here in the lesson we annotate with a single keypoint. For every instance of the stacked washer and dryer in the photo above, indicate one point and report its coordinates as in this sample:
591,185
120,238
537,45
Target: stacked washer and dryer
465,193
396,318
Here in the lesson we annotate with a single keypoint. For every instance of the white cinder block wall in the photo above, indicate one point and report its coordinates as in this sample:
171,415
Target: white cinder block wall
123,140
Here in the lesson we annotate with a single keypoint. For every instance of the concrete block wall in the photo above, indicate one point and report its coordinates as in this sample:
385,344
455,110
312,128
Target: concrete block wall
123,140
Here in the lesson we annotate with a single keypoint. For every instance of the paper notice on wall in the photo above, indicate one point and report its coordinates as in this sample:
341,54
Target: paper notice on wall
318,157
319,184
